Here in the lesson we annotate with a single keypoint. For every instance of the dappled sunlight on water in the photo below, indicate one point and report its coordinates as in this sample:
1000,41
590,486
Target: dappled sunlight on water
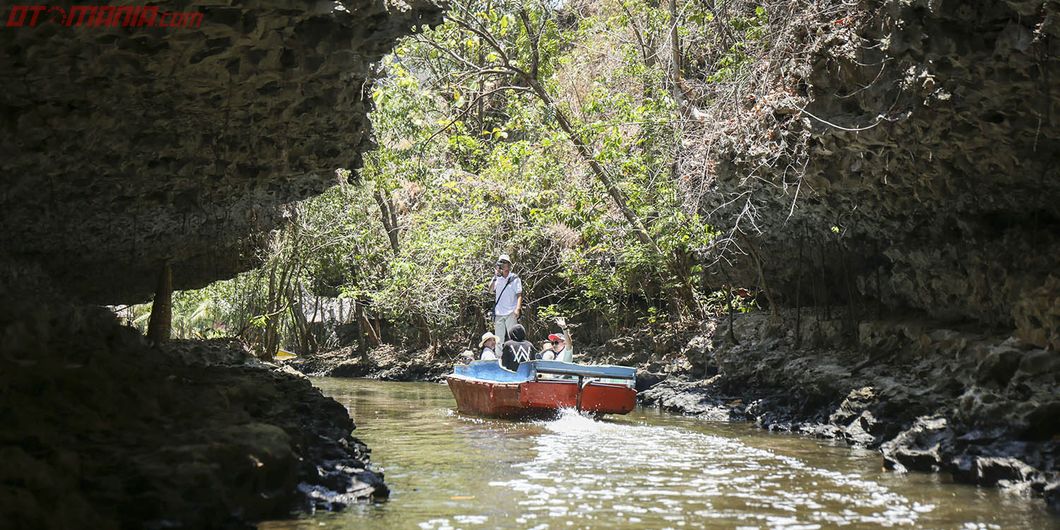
644,470
586,470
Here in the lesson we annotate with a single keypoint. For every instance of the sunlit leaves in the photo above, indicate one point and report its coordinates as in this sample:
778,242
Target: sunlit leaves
474,165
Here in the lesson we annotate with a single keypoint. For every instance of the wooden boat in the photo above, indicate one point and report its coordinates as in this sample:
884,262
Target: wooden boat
541,388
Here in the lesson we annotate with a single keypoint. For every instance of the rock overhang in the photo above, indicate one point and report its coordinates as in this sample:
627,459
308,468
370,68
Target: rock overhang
124,147
931,168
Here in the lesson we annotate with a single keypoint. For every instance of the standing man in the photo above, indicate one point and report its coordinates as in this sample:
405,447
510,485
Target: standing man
507,289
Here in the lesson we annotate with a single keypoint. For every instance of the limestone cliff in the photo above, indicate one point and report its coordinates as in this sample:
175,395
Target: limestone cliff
894,192
928,133
127,147
123,147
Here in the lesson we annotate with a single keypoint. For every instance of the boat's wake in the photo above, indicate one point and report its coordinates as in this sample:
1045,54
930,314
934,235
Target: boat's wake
589,470
571,420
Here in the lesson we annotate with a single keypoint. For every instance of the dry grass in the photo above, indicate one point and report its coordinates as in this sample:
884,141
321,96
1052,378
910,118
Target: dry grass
754,120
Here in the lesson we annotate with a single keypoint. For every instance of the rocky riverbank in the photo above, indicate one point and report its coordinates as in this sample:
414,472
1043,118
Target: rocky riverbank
101,430
978,405
975,403
386,362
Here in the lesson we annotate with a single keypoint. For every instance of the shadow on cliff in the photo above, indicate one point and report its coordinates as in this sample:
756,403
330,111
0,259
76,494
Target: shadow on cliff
101,430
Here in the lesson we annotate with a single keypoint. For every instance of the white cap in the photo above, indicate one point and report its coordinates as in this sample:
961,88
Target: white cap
504,258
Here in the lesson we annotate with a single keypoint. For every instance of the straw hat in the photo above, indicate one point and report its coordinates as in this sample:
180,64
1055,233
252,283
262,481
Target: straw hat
486,336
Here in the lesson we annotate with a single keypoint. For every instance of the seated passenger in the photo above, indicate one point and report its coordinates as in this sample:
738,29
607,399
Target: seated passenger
562,344
466,357
546,353
564,351
488,345
517,349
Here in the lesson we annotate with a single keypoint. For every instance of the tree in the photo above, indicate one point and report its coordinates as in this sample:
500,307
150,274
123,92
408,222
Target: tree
547,133
516,60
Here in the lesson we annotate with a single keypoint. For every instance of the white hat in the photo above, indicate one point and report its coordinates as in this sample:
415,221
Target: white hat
504,258
486,336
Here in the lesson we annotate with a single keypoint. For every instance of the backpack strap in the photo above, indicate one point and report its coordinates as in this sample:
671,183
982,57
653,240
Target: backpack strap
511,276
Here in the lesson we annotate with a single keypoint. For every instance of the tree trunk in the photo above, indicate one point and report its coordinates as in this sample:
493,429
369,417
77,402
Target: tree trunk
301,324
601,174
675,57
761,277
389,217
277,296
158,329
367,332
268,347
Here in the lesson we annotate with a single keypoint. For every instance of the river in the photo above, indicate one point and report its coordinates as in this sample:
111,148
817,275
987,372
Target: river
644,470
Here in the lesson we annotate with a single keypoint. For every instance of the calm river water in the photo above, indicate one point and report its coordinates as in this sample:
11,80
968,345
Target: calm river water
644,470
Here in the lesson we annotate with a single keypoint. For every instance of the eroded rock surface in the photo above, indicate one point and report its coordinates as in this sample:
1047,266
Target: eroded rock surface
966,401
102,431
123,147
896,186
932,165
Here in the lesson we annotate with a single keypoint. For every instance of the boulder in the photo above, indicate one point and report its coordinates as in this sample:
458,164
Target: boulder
920,447
990,471
999,366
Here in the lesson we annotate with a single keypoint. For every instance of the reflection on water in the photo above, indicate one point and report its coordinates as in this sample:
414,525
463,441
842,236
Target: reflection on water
644,470
587,471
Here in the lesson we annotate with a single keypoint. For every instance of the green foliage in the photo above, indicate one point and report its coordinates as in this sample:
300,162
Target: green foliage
473,165
750,29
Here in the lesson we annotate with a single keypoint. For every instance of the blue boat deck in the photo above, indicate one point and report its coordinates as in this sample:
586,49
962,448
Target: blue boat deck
528,371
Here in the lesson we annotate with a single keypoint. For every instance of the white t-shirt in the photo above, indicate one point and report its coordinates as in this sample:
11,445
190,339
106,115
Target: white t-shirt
566,355
506,300
488,355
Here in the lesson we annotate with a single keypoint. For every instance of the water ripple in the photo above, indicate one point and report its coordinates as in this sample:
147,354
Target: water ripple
586,469
644,470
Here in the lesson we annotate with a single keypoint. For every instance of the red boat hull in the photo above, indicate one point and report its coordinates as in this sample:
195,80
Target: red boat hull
538,398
